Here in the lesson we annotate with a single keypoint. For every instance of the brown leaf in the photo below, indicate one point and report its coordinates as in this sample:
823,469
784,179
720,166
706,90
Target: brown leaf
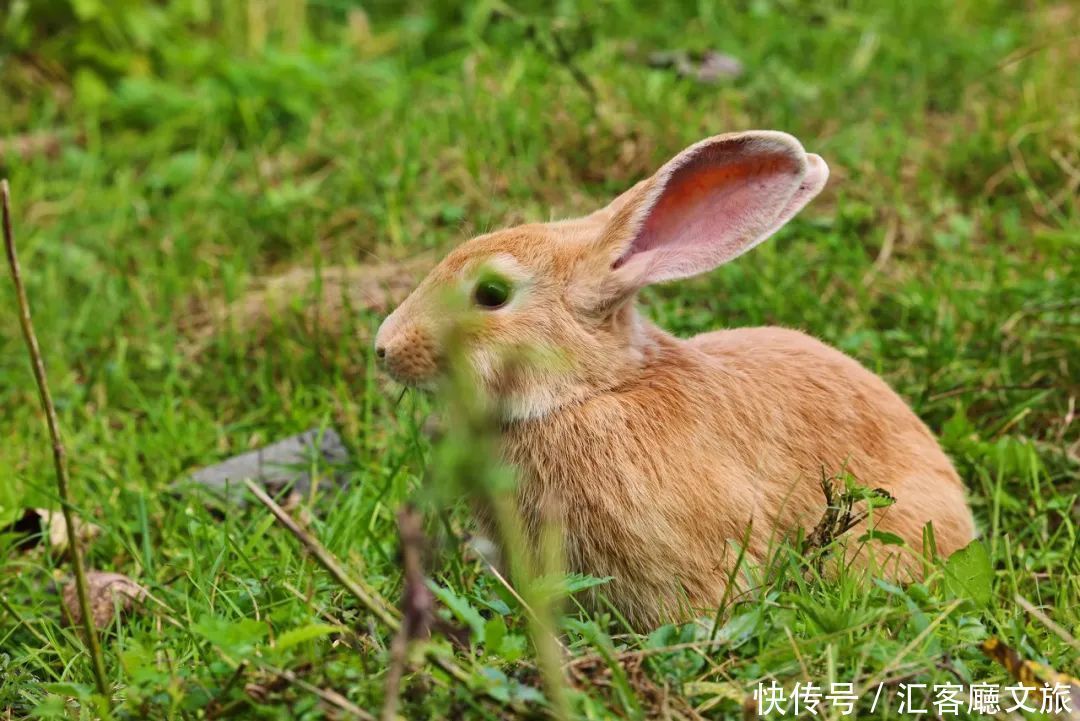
1032,673
37,524
58,536
107,592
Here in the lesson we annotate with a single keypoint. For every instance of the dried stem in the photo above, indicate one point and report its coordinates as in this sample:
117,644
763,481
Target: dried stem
399,653
328,696
1048,622
417,606
376,606
59,454
325,558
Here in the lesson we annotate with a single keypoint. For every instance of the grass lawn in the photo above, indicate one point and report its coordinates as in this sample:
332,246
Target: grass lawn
170,160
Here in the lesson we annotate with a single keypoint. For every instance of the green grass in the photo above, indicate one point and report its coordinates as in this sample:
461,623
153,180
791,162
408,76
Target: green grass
196,154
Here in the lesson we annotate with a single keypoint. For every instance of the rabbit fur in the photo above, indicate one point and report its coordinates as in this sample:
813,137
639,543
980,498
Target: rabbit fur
659,458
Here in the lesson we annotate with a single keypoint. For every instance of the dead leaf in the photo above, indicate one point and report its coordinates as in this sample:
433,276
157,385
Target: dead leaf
58,536
37,524
107,591
1033,674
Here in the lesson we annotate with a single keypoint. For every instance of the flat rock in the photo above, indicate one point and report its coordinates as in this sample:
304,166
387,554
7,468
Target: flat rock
286,464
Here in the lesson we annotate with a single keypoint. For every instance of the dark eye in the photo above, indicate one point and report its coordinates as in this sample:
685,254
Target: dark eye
491,293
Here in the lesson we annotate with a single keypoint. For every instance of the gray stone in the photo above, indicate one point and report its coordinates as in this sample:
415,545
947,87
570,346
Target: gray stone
285,464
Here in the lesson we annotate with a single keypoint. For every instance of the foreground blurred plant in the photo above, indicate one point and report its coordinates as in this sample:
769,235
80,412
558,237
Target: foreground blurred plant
466,463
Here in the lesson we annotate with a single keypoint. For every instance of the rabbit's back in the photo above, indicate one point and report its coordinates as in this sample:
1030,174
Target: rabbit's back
721,441
840,416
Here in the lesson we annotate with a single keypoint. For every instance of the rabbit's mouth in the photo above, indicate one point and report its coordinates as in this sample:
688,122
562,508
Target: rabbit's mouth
410,376
399,386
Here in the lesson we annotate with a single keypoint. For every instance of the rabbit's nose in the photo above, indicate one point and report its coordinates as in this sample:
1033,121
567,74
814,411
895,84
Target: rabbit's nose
405,349
383,337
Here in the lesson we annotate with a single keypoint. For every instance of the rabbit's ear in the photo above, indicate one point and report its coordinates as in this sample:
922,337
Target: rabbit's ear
710,203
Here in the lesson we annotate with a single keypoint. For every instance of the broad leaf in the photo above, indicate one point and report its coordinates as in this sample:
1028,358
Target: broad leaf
969,574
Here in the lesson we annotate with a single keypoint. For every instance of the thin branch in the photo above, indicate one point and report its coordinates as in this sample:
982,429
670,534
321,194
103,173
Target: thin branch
329,696
399,652
324,558
1047,621
378,607
59,454
417,607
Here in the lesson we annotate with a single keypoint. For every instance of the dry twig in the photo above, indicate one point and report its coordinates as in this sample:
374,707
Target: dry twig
1045,620
59,454
417,606
327,695
325,558
378,607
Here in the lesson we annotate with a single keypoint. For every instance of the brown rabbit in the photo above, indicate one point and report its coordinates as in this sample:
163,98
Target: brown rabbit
660,456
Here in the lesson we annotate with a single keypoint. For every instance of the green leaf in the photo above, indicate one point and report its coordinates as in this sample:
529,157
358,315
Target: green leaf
742,627
234,637
499,642
507,689
297,636
512,647
451,213
51,707
497,605
90,90
579,582
71,690
969,574
461,609
883,537
494,633
557,586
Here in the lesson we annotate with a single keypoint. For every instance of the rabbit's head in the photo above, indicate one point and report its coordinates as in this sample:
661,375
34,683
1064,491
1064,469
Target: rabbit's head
543,315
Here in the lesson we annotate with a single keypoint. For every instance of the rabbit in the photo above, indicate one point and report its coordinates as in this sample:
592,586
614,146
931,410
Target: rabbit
662,459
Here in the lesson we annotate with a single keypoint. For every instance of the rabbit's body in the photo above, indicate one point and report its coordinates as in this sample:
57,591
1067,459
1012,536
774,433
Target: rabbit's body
660,457
767,411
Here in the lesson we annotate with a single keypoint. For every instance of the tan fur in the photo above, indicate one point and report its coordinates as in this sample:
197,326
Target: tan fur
659,456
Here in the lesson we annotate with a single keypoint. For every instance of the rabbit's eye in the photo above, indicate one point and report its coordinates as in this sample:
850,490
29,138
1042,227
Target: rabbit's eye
491,293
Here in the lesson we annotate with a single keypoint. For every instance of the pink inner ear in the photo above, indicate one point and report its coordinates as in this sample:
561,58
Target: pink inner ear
713,207
817,174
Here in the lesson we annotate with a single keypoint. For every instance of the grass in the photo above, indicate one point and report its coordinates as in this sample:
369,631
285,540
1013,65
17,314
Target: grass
166,158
